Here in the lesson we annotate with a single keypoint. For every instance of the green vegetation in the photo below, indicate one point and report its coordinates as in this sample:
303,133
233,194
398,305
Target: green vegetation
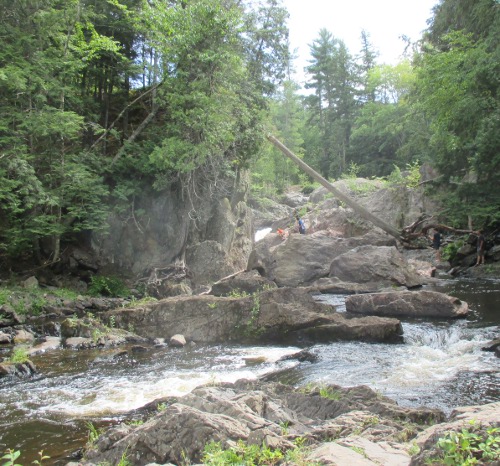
449,251
107,286
10,457
93,434
330,393
19,355
41,459
242,454
469,446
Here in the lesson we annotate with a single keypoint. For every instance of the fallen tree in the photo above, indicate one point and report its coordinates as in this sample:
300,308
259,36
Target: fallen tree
416,230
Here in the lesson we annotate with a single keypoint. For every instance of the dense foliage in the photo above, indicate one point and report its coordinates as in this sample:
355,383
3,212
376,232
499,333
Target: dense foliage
104,100
101,100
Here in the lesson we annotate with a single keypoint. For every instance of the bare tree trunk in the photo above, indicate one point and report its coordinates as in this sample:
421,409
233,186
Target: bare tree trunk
367,215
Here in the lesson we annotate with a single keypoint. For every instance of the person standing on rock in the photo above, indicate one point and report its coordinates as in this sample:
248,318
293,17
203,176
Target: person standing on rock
436,244
481,246
302,225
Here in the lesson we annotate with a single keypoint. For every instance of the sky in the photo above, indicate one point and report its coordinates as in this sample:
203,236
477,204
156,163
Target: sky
384,20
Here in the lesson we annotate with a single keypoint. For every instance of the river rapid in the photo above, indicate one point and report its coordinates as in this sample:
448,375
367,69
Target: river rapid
439,364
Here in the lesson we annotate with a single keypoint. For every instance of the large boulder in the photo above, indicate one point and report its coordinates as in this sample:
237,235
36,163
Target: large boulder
283,314
408,304
381,265
302,259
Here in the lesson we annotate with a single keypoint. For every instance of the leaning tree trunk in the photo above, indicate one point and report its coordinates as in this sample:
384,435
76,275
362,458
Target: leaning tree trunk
367,215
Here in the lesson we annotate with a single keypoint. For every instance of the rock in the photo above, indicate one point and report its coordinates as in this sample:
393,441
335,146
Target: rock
138,349
294,199
255,412
254,360
79,343
18,370
30,282
302,356
331,453
282,314
177,341
407,303
241,284
302,259
23,336
5,338
9,318
492,345
382,265
50,343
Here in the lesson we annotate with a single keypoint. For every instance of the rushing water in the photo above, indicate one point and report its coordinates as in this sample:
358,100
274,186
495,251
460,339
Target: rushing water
440,364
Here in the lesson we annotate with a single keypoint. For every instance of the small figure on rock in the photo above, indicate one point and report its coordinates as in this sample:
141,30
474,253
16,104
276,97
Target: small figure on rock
302,225
282,233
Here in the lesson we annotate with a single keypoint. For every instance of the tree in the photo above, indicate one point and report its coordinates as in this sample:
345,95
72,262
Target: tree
458,92
334,102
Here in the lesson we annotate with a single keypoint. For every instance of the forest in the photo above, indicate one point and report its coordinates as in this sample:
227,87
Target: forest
101,100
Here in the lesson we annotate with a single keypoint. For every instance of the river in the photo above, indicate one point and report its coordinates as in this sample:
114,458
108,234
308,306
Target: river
440,364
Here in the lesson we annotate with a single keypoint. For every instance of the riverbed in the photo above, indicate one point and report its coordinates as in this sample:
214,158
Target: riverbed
439,364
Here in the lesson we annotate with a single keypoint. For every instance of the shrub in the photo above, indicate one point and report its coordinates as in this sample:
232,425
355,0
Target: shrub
469,447
108,286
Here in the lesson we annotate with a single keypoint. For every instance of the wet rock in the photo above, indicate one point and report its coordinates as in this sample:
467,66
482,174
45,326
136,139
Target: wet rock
254,360
49,343
407,303
79,343
492,345
302,356
25,369
138,349
5,338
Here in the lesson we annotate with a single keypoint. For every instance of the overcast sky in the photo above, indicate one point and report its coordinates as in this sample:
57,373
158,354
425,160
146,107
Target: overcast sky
384,20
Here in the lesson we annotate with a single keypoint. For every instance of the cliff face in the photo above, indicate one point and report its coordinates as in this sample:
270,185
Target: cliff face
197,225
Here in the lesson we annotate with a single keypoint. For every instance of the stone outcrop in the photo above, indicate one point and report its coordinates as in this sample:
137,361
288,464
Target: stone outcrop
283,314
209,230
407,303
302,259
256,412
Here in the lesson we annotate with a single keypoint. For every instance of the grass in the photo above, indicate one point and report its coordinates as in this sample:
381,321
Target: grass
19,355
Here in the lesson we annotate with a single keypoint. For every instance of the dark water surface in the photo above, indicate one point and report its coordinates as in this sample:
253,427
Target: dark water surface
440,364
